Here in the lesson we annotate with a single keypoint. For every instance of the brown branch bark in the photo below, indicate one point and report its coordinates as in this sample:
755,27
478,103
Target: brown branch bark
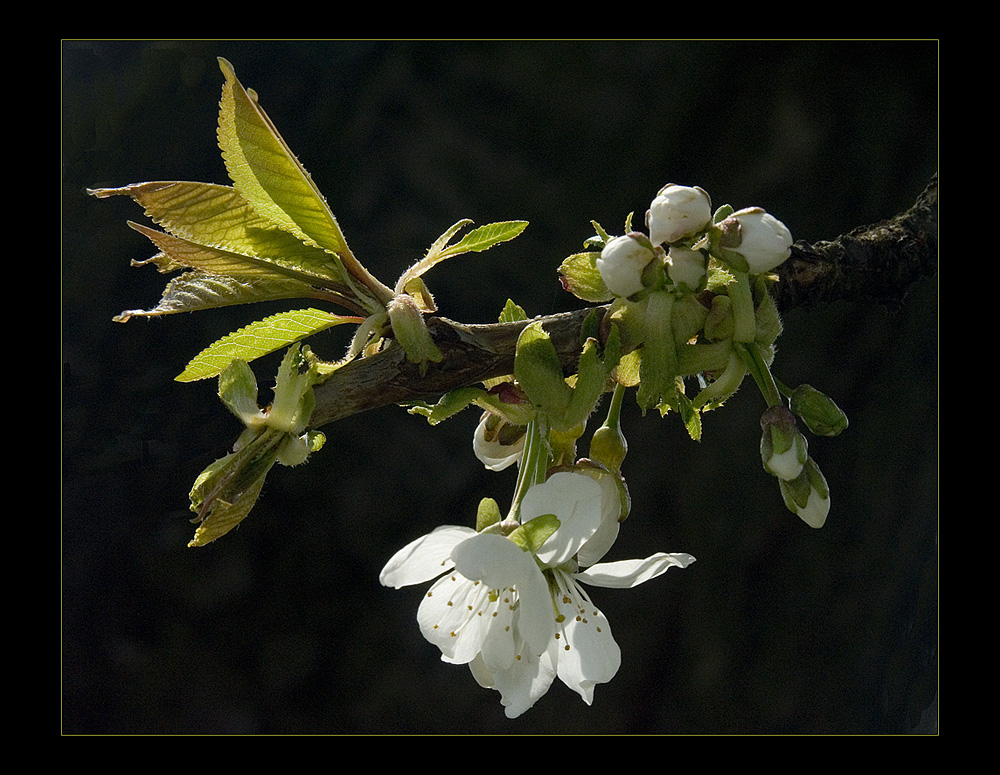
877,263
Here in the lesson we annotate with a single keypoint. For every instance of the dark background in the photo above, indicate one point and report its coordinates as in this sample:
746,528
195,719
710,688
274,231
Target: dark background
282,626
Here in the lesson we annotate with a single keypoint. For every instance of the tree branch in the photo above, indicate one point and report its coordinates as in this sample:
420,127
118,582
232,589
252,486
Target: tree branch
877,263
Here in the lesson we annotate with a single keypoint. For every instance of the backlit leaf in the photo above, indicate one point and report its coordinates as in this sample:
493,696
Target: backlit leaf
271,179
219,217
260,338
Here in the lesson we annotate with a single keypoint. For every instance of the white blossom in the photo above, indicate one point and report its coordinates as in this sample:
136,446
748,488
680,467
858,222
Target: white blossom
491,451
678,212
685,267
521,618
621,265
765,242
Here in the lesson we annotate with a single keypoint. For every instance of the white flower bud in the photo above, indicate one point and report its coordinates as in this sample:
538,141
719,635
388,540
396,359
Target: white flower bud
783,449
765,242
493,451
621,265
685,267
678,212
808,495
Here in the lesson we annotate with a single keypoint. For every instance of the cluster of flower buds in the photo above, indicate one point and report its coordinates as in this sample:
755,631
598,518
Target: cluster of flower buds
683,233
784,451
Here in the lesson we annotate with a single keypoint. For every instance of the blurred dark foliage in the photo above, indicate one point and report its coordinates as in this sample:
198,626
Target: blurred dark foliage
282,627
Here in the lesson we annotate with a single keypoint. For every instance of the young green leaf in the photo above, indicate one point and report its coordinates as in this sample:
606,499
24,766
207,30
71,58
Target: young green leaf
193,291
270,177
476,241
485,237
219,217
260,338
225,492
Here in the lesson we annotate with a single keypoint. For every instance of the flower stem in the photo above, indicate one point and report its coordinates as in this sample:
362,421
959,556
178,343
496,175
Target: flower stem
754,360
534,463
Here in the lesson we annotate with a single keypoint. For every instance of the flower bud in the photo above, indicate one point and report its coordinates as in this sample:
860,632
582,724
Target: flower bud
756,238
410,330
782,447
678,212
496,443
686,268
820,414
808,495
622,262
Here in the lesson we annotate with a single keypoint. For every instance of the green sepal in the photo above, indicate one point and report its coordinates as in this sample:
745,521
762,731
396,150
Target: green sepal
487,515
532,534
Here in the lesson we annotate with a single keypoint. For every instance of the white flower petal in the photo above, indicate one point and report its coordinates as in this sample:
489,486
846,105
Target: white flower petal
576,500
489,557
424,559
678,212
611,508
587,652
528,679
621,264
446,617
498,649
501,564
630,573
491,453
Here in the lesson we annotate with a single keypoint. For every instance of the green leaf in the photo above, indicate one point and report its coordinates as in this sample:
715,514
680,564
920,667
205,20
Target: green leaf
454,401
476,241
485,237
225,263
193,291
271,179
539,371
238,391
219,217
225,492
260,338
266,172
512,313
581,277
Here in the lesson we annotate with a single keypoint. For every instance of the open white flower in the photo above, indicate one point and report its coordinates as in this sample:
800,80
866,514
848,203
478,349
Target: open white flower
519,617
